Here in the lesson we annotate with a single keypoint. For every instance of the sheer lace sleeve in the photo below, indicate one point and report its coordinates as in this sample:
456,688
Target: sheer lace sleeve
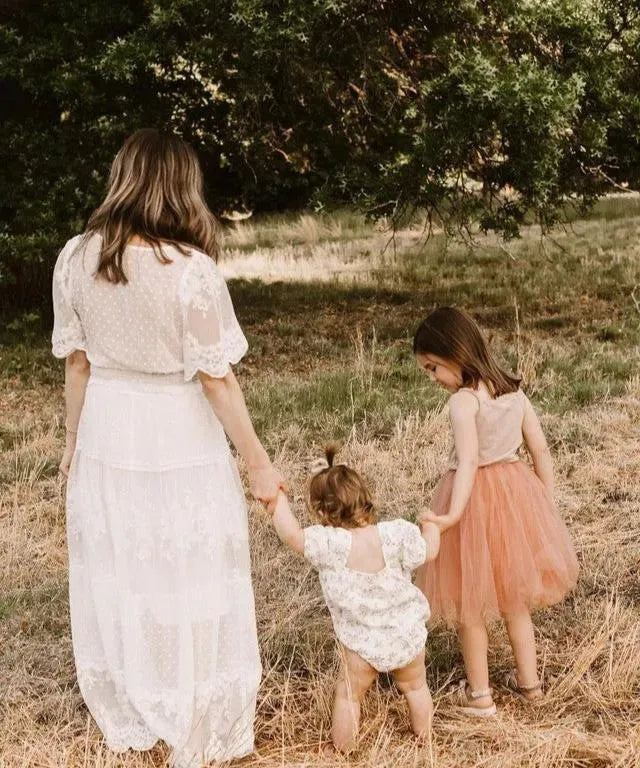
68,334
212,337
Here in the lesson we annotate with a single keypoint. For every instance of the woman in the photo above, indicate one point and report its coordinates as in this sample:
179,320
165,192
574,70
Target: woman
161,601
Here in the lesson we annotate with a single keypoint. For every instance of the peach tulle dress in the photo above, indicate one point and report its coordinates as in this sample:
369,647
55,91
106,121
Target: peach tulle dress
510,550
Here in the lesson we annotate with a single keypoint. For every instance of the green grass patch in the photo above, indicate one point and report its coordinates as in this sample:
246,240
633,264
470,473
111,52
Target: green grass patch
16,601
584,376
329,405
31,363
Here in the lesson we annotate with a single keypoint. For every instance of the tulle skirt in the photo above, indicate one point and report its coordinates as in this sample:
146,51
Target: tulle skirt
510,550
161,600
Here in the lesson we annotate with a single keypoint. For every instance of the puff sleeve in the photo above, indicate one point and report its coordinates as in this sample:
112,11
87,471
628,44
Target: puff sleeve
68,334
212,337
326,547
413,547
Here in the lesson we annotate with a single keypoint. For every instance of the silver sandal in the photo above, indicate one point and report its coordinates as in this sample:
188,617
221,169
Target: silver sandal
521,691
463,700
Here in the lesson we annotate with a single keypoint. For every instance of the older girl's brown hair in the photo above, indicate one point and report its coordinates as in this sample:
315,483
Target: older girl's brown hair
339,496
453,334
155,191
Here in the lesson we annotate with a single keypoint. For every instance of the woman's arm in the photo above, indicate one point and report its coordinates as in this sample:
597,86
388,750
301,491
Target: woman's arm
226,399
286,525
463,408
76,376
539,450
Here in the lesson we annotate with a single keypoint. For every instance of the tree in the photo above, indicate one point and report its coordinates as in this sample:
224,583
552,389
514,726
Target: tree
478,112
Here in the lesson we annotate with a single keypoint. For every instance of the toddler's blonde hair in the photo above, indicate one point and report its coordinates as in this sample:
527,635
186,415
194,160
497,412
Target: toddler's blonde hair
339,496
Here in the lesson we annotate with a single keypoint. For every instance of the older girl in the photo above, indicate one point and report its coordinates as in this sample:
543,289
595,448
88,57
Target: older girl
505,549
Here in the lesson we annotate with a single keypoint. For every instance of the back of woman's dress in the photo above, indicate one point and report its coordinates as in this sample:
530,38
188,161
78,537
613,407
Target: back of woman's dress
161,601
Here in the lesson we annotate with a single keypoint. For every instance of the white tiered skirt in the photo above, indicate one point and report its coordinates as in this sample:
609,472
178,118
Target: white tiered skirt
162,609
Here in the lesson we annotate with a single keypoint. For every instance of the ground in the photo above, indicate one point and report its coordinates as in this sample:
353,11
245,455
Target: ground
329,306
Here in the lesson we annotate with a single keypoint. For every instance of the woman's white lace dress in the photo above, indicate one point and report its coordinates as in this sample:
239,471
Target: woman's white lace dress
381,616
162,610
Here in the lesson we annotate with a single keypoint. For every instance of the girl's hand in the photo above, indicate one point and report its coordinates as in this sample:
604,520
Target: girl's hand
67,456
265,482
443,522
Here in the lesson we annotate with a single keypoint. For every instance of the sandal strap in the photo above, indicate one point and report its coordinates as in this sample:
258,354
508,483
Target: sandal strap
530,688
512,682
481,693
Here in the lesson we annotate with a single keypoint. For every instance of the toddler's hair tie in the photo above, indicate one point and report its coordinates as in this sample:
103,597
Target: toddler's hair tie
317,466
320,465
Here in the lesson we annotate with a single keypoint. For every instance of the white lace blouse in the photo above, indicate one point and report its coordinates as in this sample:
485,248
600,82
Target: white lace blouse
381,616
169,318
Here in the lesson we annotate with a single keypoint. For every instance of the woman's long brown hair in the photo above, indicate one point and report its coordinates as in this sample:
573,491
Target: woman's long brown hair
453,334
155,191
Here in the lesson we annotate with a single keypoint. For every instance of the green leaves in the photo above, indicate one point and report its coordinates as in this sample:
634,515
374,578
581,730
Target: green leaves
480,113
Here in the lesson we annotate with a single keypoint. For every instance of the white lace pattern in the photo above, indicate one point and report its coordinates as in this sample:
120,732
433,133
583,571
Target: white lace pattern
162,611
168,318
381,616
161,600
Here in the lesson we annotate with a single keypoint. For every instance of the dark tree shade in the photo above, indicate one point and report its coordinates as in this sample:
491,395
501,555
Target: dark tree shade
479,112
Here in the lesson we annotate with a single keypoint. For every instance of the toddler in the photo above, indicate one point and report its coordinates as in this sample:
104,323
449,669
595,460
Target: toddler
365,572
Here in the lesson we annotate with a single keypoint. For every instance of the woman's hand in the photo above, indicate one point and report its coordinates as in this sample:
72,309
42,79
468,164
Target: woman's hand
67,456
265,482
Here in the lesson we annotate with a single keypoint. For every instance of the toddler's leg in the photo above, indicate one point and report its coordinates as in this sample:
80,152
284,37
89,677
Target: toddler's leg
523,643
412,682
356,676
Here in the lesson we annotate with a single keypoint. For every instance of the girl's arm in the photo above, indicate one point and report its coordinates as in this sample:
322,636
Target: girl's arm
431,535
538,449
463,408
286,525
226,399
76,375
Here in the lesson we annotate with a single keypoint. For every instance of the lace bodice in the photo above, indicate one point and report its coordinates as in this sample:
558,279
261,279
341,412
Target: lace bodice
168,318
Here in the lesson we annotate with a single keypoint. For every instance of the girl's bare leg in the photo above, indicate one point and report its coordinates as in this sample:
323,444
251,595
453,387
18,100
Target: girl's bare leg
523,644
356,676
475,645
412,682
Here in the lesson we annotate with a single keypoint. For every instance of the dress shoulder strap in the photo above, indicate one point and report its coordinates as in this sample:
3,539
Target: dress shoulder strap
473,392
341,542
389,532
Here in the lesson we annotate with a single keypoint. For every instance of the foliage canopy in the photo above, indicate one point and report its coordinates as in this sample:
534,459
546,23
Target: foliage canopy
476,111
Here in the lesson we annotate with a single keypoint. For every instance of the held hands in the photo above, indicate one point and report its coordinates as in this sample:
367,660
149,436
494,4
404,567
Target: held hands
265,482
443,522
285,522
271,505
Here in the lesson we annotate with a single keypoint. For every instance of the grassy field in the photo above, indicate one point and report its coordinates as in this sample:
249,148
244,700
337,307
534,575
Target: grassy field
329,306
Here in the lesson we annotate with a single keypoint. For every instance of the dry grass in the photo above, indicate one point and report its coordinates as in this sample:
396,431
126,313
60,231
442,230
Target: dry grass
329,360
